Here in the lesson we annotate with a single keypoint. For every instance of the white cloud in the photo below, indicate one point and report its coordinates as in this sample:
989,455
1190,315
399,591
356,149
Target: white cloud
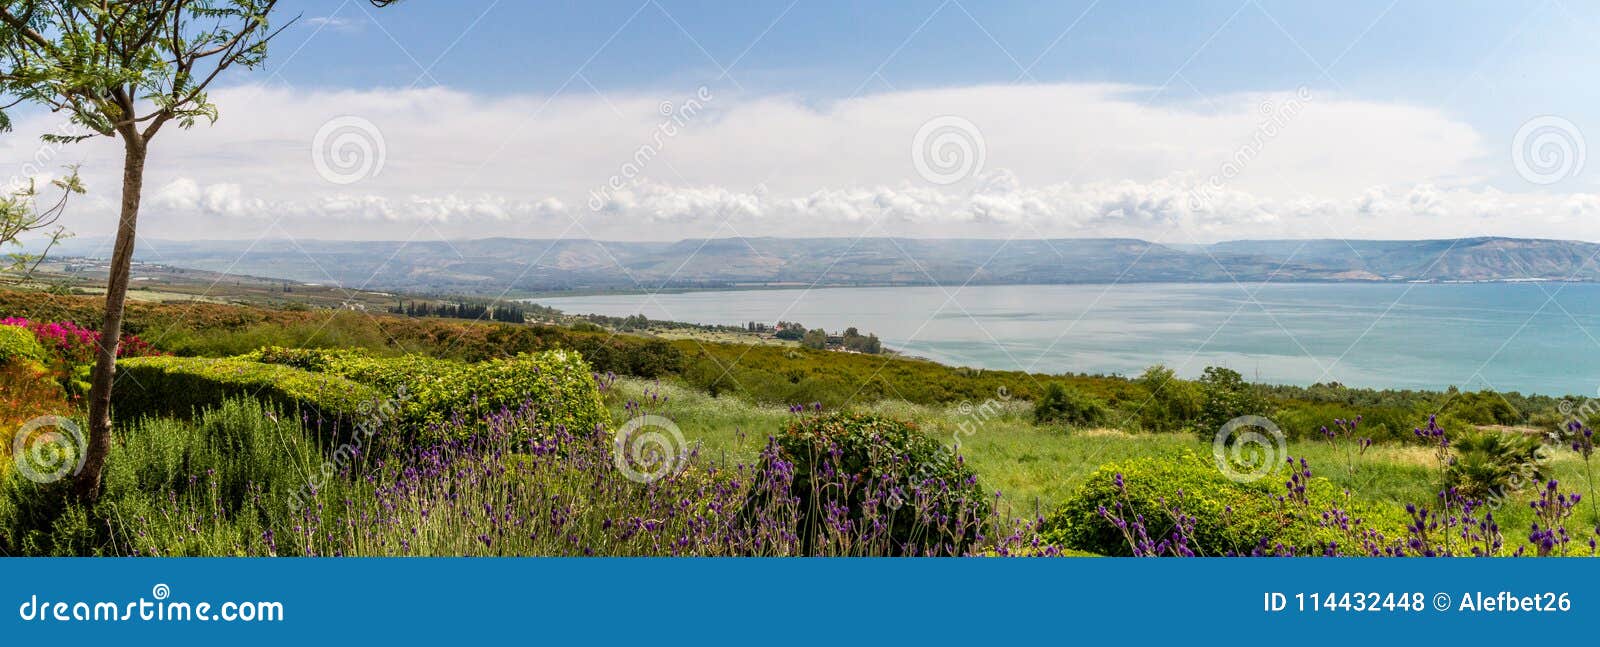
225,199
1060,160
335,23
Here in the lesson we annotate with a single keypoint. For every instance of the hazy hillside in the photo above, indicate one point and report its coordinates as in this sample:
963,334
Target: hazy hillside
527,265
1465,259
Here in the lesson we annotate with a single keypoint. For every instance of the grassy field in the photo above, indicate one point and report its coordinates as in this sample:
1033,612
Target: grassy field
1036,468
721,337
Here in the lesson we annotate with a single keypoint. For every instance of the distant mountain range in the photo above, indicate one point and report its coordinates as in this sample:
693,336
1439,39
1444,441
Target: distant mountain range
528,265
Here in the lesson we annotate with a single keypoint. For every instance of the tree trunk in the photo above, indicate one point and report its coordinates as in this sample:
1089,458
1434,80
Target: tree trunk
87,483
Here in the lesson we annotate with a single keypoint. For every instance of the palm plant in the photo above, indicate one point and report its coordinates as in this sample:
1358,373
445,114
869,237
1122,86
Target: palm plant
1490,464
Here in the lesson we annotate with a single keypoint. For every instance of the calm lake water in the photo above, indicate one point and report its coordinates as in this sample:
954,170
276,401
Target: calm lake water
1534,338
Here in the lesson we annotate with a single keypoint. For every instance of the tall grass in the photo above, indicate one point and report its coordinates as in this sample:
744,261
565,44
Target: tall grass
173,488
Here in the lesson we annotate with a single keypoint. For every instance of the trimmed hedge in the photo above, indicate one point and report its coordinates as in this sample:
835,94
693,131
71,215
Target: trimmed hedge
182,386
18,343
1230,517
558,384
410,372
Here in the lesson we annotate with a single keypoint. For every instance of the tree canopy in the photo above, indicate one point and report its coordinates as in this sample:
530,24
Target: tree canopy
125,68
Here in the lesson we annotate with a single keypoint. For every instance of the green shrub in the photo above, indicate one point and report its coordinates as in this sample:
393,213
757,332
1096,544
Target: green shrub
1230,517
413,373
205,486
181,386
621,354
1491,464
882,468
1224,395
558,384
44,520
19,344
1065,405
1382,423
1170,403
310,359
1482,408
630,356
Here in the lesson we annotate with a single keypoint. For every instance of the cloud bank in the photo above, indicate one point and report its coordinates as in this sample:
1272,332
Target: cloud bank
1058,160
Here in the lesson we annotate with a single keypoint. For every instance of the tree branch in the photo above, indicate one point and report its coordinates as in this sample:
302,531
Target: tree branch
22,28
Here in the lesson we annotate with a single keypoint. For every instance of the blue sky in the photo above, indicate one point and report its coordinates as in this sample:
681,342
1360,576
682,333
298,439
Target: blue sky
1488,62
1171,121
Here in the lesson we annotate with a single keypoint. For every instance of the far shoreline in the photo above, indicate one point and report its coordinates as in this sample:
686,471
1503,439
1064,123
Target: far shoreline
531,296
